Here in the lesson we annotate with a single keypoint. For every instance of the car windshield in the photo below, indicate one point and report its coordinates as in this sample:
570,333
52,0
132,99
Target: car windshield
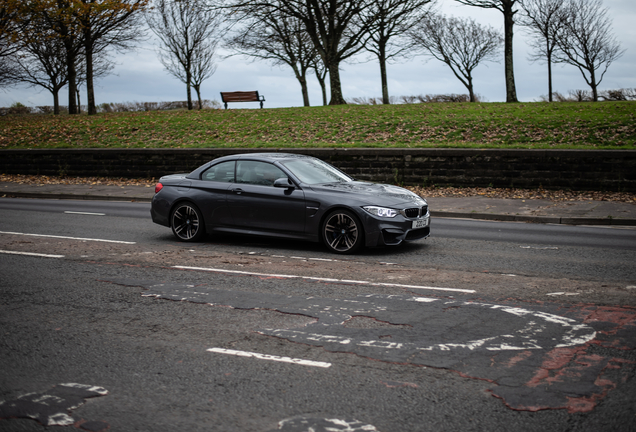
315,171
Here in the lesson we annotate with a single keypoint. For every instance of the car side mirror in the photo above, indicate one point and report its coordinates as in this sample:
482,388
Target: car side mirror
284,182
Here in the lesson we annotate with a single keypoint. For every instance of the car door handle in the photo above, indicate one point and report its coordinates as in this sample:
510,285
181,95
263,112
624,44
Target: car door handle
237,191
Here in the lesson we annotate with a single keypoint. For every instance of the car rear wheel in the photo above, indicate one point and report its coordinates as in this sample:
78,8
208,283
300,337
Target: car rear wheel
342,232
187,222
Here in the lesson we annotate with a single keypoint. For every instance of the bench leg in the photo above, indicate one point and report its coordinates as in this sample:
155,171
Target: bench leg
261,104
225,105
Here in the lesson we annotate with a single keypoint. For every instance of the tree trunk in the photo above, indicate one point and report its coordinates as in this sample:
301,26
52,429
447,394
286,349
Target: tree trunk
471,92
323,88
511,91
336,87
385,84
550,79
79,102
189,95
303,85
72,75
549,59
197,88
594,86
90,93
56,102
189,85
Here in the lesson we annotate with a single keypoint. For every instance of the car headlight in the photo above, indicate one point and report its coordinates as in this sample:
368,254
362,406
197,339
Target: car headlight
381,211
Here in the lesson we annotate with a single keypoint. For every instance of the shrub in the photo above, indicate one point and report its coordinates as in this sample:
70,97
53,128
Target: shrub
19,109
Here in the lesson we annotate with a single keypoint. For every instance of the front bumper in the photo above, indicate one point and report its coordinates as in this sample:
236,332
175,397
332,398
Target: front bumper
393,231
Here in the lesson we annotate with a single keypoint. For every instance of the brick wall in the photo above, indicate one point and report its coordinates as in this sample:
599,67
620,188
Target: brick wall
551,169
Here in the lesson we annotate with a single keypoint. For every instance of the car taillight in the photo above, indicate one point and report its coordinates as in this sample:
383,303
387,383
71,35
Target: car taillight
158,187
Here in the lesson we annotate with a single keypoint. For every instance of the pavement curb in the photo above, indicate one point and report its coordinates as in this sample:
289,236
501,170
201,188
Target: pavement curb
536,219
74,197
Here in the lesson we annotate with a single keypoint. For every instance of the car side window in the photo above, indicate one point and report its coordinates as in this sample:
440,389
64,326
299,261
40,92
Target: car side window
223,172
258,173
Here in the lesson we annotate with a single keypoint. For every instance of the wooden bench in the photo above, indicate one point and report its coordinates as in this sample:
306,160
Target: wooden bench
242,96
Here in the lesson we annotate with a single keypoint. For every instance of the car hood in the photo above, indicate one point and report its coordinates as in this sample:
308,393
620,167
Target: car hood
373,193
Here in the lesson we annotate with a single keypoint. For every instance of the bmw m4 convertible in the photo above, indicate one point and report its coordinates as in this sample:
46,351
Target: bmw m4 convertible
288,196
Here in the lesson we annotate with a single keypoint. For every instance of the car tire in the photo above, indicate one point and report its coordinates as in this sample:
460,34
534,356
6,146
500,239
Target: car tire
342,232
186,221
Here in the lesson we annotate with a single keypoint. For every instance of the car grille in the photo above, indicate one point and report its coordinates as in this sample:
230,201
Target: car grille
415,212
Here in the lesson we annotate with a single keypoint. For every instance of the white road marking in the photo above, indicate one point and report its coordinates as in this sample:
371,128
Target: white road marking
525,338
270,357
85,213
539,248
31,254
286,276
68,238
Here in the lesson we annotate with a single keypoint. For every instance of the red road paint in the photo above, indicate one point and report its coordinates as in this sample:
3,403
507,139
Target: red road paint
396,384
563,365
520,357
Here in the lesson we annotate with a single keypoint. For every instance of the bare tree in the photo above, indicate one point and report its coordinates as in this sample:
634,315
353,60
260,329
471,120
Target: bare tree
187,31
388,20
203,68
42,62
280,39
10,28
587,41
543,19
106,24
321,74
337,29
59,18
508,9
460,43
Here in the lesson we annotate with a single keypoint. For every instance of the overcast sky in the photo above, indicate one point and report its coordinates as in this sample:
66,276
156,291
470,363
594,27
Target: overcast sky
138,76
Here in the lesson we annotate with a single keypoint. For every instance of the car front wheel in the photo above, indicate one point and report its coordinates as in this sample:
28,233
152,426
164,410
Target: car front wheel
187,222
342,232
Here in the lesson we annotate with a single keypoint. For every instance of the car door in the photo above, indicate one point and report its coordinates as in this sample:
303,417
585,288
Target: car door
255,203
212,191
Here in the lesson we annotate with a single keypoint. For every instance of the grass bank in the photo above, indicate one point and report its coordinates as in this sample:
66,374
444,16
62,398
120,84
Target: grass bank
564,125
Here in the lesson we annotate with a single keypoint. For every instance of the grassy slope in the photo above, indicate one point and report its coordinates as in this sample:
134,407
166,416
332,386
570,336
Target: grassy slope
606,125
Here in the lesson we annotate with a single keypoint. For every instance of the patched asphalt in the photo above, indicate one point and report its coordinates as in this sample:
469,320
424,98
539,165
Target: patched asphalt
536,357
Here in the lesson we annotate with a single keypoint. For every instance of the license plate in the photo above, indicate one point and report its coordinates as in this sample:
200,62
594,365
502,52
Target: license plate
420,223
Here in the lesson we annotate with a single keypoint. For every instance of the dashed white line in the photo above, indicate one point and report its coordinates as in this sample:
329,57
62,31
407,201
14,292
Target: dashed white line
85,213
31,254
270,357
67,238
287,276
540,248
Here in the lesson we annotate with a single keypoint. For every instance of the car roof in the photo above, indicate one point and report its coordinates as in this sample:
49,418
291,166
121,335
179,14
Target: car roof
271,156
264,156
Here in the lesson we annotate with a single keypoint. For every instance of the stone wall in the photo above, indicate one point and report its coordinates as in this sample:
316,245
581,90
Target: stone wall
551,169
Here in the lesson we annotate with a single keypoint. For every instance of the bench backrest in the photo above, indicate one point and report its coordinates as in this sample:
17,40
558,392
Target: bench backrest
241,96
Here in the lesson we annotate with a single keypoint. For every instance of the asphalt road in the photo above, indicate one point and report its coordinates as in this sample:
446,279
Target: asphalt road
484,325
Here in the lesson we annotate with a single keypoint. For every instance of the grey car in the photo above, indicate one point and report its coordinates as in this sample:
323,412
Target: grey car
288,196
